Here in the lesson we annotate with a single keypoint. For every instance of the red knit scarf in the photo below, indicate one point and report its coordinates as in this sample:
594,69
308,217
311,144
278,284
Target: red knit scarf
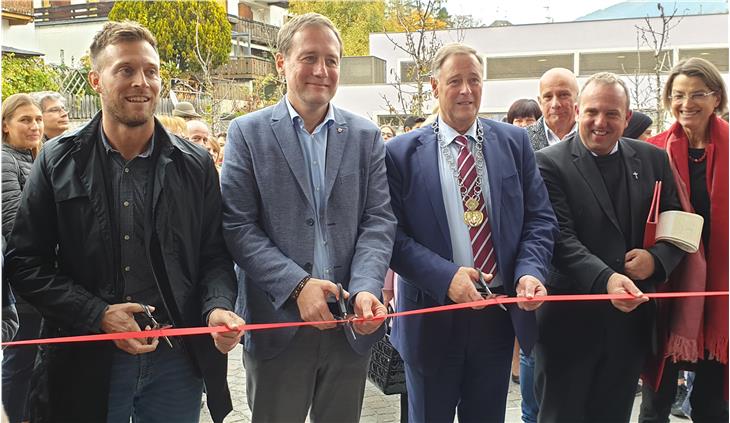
700,324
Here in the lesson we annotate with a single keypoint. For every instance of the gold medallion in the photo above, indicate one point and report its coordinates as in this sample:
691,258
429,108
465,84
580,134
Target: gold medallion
471,204
473,218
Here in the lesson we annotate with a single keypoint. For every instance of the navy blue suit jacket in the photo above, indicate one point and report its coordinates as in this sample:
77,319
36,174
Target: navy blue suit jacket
523,229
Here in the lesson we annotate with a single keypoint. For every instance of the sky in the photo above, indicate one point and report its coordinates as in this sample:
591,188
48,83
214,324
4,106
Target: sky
526,11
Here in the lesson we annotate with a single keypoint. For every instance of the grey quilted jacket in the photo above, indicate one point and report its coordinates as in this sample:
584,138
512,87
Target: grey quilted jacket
15,169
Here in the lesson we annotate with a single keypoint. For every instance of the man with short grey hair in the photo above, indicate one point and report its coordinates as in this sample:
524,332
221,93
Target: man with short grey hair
55,114
474,220
198,132
307,208
557,98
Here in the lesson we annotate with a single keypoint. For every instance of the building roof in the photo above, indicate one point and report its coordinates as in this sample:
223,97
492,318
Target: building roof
643,8
19,52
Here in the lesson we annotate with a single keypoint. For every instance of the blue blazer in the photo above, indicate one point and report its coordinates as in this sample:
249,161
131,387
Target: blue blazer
268,217
523,229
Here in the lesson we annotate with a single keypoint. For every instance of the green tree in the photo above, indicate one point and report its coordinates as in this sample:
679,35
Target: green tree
21,75
354,19
416,15
176,24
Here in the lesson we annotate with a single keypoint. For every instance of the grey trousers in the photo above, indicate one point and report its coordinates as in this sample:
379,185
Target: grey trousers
318,369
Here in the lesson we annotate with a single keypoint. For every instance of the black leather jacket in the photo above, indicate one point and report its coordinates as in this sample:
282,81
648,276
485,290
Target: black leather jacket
66,206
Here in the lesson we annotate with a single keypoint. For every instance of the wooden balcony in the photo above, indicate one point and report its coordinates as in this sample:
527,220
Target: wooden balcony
247,67
17,12
261,33
73,12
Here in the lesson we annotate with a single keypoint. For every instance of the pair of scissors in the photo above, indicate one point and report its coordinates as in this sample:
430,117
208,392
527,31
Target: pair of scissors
483,288
344,315
155,324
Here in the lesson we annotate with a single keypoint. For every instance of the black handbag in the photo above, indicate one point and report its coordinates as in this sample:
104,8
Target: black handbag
387,370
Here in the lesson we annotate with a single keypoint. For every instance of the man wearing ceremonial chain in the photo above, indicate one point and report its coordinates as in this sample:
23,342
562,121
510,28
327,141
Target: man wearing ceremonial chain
474,220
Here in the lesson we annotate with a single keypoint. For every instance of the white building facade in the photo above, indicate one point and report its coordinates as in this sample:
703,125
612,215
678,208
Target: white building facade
515,56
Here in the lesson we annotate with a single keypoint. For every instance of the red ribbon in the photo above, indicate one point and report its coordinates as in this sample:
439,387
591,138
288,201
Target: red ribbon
264,326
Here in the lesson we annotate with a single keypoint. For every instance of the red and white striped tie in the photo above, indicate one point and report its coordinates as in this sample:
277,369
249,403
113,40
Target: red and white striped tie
481,236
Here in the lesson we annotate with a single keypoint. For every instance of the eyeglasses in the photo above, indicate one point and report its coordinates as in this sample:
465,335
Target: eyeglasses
698,96
57,109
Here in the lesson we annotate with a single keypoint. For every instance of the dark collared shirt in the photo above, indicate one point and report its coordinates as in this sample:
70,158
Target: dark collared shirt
129,182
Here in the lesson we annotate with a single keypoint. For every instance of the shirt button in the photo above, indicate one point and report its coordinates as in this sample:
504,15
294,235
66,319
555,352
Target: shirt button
127,268
128,298
310,221
126,237
126,203
126,170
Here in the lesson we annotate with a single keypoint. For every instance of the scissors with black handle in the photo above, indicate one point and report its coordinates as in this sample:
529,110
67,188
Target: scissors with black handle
344,315
483,289
155,324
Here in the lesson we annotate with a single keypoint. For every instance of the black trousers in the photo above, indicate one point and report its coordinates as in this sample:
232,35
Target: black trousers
707,397
587,361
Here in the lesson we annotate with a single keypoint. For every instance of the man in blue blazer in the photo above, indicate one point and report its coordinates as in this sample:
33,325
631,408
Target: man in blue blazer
467,194
306,205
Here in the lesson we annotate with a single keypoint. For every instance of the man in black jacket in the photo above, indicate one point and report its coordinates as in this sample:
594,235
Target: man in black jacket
589,354
119,230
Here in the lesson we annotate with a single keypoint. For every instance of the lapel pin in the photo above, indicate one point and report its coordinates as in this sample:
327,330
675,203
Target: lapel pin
636,175
339,130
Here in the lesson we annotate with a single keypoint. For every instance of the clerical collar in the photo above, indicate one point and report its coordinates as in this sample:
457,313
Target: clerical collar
613,151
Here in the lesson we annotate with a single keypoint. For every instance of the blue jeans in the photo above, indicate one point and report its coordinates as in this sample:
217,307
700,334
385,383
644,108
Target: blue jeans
162,386
18,367
527,387
689,380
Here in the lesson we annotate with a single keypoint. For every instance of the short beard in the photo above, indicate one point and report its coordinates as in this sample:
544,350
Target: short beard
129,121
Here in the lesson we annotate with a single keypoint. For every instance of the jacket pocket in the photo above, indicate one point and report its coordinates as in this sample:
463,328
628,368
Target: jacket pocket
410,292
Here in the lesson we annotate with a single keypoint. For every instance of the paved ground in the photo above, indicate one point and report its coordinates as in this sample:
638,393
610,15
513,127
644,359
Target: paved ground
377,408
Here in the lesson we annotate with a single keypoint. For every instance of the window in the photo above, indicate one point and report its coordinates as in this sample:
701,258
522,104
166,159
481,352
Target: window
716,56
362,70
622,62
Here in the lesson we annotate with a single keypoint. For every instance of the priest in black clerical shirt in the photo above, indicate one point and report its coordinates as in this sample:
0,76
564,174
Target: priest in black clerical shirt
589,354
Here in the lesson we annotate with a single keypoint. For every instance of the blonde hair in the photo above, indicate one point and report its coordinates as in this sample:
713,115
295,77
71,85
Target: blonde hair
174,124
213,141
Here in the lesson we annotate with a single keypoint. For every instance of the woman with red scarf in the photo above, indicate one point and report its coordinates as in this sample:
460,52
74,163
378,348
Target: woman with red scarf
693,332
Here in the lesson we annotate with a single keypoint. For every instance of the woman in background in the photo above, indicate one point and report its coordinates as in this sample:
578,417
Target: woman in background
22,126
524,112
387,132
639,127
